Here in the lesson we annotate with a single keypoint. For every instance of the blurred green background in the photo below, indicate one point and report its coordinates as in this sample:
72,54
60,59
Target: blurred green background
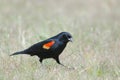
94,24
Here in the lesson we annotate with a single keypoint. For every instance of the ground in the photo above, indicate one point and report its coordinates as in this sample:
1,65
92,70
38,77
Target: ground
94,25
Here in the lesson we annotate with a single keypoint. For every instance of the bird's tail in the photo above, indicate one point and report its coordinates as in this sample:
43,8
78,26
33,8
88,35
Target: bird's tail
16,53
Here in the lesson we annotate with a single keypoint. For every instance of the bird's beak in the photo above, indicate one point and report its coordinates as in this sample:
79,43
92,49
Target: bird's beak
70,39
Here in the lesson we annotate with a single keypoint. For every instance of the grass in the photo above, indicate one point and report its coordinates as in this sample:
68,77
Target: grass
94,54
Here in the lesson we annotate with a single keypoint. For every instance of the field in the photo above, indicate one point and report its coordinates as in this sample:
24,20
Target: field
94,53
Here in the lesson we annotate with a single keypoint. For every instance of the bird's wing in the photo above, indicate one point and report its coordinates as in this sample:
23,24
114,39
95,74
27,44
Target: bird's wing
41,46
48,44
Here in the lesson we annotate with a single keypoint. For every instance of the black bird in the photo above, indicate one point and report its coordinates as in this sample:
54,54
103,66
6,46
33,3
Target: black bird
50,48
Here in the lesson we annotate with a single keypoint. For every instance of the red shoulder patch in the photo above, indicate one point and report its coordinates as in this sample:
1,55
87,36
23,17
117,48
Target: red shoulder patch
48,45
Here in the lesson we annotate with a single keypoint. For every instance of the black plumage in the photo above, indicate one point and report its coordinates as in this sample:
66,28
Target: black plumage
50,48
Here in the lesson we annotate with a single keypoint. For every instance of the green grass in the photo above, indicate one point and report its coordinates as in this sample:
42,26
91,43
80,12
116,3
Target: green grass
95,26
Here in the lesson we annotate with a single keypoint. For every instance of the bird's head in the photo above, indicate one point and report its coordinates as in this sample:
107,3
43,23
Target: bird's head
65,37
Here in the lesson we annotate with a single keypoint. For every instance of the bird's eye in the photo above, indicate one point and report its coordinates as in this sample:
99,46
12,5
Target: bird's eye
66,36
69,36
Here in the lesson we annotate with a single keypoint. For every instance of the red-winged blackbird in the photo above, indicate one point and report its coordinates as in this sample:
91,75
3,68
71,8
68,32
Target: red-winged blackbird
50,48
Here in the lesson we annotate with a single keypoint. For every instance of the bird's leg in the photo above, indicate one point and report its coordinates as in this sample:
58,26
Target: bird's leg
41,60
58,61
42,66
